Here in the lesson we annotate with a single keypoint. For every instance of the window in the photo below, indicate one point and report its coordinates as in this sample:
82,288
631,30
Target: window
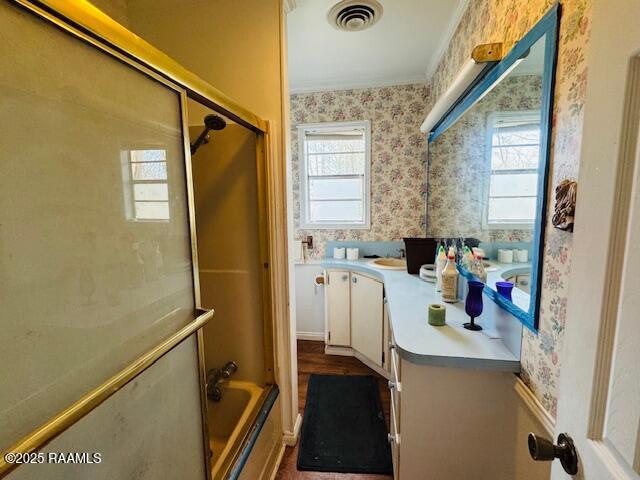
514,152
334,178
148,193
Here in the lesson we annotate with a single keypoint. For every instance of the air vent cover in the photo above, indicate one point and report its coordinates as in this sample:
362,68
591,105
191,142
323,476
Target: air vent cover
354,15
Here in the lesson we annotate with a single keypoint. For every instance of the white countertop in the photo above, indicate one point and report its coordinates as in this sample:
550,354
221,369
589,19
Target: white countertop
408,298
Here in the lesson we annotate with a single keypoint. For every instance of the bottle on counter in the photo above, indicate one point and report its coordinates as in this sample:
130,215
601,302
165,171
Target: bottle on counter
450,279
477,268
441,262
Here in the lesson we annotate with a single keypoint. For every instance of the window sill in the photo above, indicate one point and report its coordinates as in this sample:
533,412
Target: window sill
335,226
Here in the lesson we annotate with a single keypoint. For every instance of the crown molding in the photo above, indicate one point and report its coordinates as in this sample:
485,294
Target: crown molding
337,85
458,13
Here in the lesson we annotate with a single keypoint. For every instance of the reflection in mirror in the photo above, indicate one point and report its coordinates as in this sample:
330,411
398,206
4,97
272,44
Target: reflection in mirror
484,171
145,184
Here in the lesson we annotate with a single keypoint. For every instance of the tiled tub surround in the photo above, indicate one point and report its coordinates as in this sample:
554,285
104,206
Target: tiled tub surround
398,155
459,168
507,21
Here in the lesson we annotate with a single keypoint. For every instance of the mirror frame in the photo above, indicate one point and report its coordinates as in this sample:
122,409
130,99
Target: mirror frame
490,76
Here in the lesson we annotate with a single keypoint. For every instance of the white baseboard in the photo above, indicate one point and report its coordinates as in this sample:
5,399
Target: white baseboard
534,406
290,439
316,336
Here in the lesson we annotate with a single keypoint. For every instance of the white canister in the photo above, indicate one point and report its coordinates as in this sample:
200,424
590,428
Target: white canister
353,253
505,256
338,253
521,256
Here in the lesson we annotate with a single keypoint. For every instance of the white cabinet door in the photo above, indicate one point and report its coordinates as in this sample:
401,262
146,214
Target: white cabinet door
366,317
337,308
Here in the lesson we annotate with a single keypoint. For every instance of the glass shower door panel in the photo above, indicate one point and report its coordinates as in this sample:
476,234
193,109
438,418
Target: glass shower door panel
149,430
95,255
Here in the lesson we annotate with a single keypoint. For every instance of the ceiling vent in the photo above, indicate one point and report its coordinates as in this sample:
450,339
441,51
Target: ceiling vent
354,15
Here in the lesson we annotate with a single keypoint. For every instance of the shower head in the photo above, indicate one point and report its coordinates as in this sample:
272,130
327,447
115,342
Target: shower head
214,122
211,122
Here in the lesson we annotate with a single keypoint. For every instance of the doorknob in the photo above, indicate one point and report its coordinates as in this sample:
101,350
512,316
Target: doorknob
543,450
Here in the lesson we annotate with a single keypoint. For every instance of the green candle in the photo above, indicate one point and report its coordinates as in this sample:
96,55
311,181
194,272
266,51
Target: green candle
436,315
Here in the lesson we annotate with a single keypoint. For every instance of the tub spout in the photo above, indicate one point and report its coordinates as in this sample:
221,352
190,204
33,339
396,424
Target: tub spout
217,378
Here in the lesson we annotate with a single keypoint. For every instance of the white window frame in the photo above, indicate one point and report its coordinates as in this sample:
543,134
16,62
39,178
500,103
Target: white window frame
491,119
304,176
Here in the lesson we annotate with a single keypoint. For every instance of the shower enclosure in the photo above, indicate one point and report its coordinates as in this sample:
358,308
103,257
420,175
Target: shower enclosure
117,246
230,211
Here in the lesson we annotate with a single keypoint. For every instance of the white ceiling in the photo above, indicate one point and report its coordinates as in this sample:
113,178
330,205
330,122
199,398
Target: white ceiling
405,46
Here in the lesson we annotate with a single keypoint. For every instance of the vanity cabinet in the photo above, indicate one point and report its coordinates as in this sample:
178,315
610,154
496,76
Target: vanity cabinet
354,316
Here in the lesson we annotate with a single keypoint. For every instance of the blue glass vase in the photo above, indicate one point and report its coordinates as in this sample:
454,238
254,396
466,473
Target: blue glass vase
504,289
473,304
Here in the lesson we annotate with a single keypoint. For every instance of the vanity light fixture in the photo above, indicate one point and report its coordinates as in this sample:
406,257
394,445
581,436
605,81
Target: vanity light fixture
481,56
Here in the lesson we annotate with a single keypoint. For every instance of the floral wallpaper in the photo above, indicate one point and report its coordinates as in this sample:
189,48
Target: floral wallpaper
398,159
459,170
398,156
488,21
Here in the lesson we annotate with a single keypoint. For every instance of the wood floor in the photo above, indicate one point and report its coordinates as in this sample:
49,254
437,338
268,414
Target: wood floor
312,359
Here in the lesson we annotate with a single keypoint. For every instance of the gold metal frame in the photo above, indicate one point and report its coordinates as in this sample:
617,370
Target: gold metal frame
58,424
84,21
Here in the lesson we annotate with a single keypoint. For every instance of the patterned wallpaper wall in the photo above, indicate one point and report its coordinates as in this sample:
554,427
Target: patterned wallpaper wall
398,155
459,169
488,21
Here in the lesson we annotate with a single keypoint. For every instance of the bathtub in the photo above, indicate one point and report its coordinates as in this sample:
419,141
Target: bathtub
229,420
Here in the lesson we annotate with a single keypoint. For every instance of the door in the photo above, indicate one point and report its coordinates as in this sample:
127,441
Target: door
337,308
366,317
599,389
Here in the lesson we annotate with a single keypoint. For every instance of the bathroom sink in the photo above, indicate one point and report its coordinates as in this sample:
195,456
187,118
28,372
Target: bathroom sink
389,263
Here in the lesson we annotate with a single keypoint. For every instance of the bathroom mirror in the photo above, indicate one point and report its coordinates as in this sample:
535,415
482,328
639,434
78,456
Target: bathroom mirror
488,169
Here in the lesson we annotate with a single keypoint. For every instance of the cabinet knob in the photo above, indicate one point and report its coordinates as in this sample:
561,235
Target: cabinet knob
391,385
391,345
345,277
391,438
355,279
543,450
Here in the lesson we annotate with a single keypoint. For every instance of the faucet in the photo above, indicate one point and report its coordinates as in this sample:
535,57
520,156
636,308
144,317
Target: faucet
217,377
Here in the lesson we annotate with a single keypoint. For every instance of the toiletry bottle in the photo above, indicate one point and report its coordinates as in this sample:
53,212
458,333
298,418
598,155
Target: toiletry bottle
450,279
478,269
466,259
441,261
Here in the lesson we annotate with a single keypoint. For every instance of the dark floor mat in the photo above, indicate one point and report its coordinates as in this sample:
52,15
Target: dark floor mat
344,429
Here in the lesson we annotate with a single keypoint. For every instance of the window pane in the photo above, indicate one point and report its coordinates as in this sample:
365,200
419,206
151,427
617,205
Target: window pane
507,158
336,212
516,185
512,210
335,146
150,191
149,171
341,164
148,155
152,210
341,188
516,136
